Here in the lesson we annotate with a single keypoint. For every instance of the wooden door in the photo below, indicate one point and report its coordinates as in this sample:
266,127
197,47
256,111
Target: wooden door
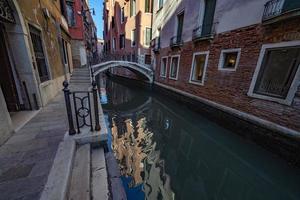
6,75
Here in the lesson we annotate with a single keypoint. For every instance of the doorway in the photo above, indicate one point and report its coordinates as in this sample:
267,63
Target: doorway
7,80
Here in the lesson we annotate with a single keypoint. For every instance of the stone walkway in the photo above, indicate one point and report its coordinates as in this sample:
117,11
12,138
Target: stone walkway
26,158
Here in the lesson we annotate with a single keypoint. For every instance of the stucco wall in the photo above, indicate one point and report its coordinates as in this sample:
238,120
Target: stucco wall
229,15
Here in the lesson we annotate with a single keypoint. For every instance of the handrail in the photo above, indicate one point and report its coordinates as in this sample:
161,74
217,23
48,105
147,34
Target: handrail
83,109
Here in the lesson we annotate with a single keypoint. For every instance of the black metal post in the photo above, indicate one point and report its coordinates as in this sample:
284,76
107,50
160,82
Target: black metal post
68,106
97,124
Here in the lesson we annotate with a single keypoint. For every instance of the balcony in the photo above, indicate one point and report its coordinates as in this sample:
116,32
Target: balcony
176,41
276,10
155,44
204,32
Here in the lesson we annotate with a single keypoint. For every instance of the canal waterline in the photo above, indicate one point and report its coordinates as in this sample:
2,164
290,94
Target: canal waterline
167,151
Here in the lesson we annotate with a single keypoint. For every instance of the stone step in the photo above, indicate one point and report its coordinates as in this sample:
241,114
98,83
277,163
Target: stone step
80,179
59,176
99,182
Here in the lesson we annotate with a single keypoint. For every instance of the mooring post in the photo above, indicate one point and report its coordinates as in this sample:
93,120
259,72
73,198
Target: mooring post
68,107
97,123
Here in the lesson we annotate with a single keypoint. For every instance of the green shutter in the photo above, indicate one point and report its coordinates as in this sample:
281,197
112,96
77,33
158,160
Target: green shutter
208,17
290,5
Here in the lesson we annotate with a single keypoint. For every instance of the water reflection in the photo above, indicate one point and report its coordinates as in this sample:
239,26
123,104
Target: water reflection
166,151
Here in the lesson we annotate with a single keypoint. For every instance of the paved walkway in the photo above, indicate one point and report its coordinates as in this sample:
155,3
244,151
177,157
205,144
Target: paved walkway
26,158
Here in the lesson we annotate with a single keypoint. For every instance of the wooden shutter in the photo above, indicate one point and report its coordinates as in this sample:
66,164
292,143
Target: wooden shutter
208,17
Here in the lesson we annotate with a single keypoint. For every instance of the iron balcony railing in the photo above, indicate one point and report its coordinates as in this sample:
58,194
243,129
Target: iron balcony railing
272,9
176,41
204,31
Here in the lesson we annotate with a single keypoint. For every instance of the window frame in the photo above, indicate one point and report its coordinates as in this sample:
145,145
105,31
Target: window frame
222,59
133,32
132,8
166,69
295,82
122,15
204,70
145,36
174,56
45,54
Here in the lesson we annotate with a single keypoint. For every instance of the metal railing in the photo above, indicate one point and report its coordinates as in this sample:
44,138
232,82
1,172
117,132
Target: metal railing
204,31
78,103
176,41
272,9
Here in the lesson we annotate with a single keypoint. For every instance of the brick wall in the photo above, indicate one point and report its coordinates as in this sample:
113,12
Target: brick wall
231,88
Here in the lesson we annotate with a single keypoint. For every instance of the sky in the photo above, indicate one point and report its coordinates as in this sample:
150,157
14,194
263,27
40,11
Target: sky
98,6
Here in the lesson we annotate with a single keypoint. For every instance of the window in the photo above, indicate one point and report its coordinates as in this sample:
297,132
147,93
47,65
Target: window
112,22
148,6
38,49
65,54
180,19
277,69
229,59
114,44
199,68
70,13
174,67
163,67
133,37
132,8
147,59
122,15
122,41
148,36
160,4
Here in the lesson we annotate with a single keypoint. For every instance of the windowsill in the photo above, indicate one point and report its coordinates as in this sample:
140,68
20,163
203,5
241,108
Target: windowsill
227,69
174,79
285,101
163,76
46,83
196,83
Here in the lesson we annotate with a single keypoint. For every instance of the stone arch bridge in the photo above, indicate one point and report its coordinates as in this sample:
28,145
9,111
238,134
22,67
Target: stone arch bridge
143,69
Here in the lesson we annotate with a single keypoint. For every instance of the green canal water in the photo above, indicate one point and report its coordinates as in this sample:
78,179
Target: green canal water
167,151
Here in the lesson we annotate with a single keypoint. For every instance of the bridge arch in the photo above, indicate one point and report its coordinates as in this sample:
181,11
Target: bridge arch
143,69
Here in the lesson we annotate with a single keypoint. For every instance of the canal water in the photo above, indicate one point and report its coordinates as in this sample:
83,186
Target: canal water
167,151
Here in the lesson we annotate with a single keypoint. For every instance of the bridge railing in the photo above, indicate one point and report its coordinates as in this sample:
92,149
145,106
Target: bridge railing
142,60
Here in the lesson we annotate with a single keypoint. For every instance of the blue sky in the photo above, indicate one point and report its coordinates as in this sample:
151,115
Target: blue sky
98,6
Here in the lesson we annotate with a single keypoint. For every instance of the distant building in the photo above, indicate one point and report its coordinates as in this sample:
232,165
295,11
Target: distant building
83,32
35,56
241,57
100,46
127,29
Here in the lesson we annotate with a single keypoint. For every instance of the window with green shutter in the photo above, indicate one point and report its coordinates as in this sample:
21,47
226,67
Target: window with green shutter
208,19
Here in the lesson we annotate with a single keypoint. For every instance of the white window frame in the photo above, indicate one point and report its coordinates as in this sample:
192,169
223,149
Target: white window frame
204,70
131,37
294,86
114,44
222,59
173,56
145,36
161,62
122,16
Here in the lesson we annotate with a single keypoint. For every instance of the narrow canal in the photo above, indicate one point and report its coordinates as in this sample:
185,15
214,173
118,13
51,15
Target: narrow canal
167,151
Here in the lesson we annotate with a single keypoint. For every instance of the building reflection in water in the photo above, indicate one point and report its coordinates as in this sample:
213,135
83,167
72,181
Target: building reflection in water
170,152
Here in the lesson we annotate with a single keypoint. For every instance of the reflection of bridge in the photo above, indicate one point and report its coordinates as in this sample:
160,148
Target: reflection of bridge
134,66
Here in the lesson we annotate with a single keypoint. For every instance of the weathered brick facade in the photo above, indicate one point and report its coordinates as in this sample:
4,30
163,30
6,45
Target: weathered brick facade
230,88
